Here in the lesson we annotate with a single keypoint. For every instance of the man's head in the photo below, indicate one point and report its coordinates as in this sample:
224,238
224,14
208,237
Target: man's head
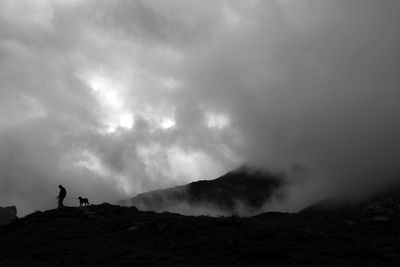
60,186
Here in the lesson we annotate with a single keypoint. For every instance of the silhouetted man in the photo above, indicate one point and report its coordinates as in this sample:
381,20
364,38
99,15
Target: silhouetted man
61,196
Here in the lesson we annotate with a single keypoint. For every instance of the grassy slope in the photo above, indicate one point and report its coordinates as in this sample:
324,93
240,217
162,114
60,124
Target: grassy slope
112,235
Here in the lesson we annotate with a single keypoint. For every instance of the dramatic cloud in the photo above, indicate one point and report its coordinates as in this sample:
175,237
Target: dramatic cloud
113,98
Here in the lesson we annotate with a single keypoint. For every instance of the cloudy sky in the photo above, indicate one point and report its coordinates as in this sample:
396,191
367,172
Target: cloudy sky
113,98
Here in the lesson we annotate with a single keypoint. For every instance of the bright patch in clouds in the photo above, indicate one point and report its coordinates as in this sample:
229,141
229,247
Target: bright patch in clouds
217,120
126,120
168,123
159,117
110,95
91,162
193,165
105,91
175,164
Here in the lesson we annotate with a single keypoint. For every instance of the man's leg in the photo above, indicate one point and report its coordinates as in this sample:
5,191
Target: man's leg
60,203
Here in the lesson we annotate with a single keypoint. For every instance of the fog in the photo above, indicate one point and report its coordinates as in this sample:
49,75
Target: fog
114,98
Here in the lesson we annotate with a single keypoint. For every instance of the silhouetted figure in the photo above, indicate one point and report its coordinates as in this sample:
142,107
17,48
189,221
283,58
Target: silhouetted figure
83,201
61,197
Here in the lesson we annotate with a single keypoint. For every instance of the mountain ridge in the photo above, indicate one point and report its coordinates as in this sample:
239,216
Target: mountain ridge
248,188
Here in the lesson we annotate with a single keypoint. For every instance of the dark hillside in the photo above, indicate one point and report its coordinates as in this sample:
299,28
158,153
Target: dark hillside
106,235
387,202
250,189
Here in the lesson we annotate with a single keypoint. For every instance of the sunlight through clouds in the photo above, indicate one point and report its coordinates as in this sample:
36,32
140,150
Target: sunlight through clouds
110,95
168,123
175,164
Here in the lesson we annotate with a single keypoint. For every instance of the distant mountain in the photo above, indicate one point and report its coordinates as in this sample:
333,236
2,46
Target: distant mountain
387,201
241,191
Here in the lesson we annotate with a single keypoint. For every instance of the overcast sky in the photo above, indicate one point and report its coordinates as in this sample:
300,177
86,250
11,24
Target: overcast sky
113,98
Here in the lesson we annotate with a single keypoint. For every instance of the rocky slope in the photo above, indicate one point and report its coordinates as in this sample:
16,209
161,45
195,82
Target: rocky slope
106,235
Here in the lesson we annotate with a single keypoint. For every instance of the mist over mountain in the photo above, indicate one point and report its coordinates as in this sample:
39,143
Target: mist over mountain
244,191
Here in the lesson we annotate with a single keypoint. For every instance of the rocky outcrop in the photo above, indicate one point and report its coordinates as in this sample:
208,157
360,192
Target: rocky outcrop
7,215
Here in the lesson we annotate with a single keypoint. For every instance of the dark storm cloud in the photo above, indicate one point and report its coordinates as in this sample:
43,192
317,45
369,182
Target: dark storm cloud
323,95
111,98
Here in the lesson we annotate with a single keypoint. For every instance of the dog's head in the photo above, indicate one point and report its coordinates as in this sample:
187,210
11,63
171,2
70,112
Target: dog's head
80,198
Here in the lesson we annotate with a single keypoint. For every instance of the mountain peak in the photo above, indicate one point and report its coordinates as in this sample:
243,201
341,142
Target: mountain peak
244,187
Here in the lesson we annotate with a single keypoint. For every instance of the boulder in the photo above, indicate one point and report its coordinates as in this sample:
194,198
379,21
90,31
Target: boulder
7,215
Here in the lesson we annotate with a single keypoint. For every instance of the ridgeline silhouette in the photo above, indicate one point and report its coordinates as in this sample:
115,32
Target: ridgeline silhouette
327,233
243,191
107,235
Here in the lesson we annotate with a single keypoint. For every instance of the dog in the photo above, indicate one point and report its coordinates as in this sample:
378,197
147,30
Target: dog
83,201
